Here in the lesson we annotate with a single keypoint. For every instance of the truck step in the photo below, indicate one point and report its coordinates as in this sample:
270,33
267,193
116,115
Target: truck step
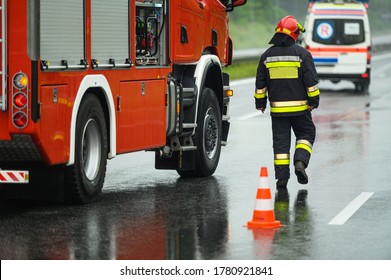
189,125
188,148
188,97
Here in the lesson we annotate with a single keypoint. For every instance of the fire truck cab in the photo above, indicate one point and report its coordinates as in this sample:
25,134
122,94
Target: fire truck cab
85,80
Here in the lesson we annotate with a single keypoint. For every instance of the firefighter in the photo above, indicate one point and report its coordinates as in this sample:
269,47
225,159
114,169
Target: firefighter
286,75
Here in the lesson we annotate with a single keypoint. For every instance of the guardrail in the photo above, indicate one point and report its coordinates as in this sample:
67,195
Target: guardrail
379,44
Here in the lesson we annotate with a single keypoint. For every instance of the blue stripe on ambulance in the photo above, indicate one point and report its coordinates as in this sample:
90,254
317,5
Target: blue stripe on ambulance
325,60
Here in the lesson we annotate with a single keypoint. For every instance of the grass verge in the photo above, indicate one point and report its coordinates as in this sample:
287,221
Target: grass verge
242,69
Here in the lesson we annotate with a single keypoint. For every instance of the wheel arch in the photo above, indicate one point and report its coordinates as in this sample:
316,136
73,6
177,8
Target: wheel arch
208,74
213,80
96,84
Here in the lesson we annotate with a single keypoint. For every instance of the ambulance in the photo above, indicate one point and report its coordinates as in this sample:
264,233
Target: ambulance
339,39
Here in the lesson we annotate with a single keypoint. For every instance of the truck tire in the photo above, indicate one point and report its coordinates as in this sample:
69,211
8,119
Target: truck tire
207,136
84,179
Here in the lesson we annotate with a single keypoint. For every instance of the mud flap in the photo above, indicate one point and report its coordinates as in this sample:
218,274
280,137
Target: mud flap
45,183
225,131
179,160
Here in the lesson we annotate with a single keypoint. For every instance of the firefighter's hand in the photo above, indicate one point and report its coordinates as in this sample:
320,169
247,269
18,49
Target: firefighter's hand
311,108
260,104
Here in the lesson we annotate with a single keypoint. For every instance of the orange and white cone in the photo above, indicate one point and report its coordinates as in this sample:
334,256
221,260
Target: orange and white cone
263,216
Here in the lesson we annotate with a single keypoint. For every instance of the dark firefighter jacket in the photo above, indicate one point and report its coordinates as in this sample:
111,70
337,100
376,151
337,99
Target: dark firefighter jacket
286,75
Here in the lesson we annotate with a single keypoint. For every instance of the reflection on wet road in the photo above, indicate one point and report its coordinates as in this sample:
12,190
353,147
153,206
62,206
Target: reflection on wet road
185,220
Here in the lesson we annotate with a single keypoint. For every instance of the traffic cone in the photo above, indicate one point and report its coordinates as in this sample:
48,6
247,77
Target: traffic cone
263,216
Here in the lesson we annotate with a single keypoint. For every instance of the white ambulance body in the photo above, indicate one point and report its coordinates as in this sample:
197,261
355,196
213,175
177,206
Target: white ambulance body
338,37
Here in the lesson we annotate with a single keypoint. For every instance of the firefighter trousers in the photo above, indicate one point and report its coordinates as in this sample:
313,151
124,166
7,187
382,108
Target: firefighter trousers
305,131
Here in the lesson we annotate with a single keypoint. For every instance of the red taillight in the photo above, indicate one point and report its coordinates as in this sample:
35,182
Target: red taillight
20,100
20,119
365,75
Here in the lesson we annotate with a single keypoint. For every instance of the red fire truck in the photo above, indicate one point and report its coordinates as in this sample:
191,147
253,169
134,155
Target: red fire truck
85,80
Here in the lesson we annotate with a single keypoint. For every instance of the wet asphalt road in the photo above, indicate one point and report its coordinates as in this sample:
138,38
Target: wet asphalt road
145,213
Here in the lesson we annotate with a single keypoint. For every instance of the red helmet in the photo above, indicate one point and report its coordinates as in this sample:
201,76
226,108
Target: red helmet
290,26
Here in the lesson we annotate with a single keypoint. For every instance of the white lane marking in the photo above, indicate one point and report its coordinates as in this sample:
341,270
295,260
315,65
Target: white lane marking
351,208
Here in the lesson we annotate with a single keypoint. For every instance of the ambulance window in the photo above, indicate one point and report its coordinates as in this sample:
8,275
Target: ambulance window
353,32
338,31
324,31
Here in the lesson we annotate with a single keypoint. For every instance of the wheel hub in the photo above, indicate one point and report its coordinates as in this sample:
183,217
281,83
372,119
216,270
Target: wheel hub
91,149
211,132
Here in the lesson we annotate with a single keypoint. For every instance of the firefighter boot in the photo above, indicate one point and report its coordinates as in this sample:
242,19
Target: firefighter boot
302,177
282,195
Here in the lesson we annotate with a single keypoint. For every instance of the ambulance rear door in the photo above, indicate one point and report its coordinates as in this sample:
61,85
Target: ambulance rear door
340,45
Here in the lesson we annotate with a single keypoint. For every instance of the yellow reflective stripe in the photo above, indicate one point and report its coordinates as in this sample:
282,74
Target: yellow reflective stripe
287,31
305,142
288,103
283,69
259,95
283,73
304,146
313,93
289,109
281,159
282,64
281,162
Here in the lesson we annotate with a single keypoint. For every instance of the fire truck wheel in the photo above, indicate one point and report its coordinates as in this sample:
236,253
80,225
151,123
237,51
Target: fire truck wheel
207,137
84,180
